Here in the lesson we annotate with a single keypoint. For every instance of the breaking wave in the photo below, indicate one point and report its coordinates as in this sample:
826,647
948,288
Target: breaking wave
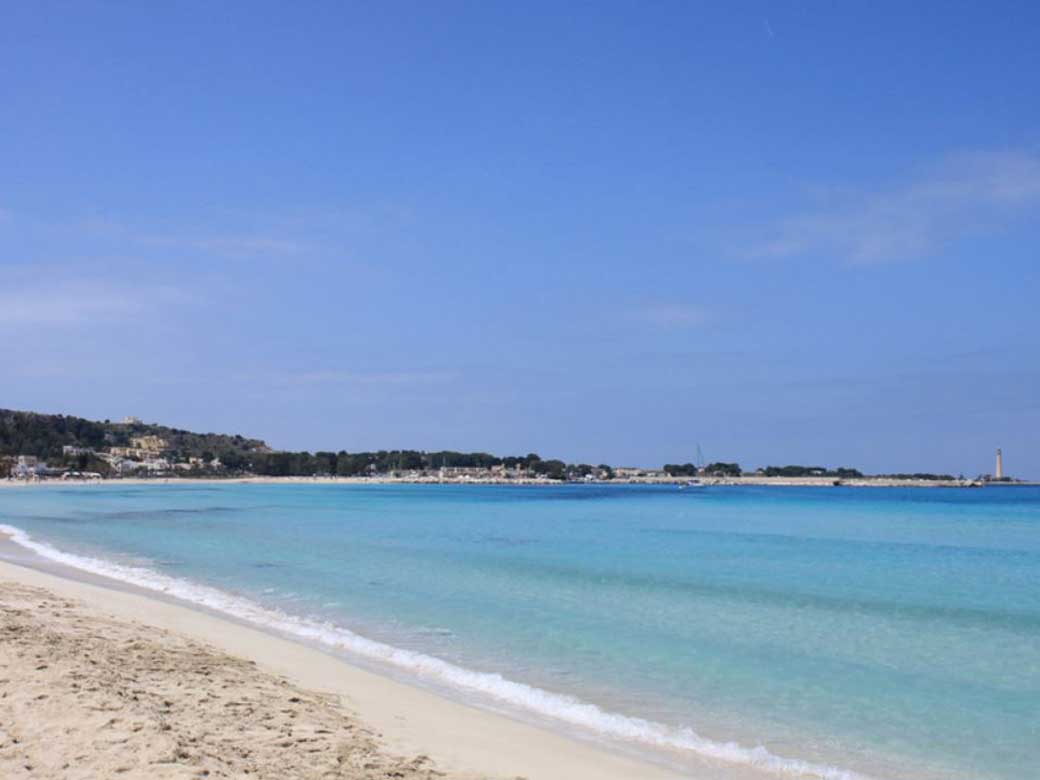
558,706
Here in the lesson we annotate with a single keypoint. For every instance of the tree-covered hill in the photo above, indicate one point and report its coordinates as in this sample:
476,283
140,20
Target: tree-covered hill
44,435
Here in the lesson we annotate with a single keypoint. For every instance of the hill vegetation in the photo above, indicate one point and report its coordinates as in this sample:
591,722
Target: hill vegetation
44,436
48,437
64,443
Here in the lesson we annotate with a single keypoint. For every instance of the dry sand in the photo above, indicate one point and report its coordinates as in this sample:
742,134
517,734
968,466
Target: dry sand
99,682
85,696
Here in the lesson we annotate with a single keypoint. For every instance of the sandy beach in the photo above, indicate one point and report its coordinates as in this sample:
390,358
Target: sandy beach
103,682
86,695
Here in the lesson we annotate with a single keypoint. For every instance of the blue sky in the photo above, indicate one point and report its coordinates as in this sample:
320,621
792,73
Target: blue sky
789,232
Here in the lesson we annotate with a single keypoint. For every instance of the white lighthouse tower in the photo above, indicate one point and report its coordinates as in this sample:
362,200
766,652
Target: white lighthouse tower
999,473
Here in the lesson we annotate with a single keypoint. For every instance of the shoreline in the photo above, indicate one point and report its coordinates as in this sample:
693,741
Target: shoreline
777,747
748,481
86,695
460,724
461,739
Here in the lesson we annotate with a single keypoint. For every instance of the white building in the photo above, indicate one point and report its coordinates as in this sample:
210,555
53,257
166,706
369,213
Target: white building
465,472
28,466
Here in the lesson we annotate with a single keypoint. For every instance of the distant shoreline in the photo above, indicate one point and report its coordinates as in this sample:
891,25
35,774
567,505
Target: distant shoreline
749,481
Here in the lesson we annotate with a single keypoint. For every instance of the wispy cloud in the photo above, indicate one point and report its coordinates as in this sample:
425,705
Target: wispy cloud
76,303
231,246
672,315
966,194
234,245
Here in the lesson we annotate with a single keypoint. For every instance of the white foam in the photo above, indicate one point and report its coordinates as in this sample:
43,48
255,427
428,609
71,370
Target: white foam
536,700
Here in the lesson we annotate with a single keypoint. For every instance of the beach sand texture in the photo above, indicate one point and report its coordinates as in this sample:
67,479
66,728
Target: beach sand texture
100,682
83,695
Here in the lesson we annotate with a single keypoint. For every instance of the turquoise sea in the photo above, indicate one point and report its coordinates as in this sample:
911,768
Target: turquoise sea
816,632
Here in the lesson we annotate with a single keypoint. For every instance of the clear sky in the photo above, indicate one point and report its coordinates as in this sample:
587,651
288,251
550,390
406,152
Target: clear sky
789,232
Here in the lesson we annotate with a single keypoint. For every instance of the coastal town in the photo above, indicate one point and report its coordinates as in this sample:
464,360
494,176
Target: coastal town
145,456
47,448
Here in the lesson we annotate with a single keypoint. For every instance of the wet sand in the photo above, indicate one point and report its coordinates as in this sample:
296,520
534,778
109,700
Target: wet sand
97,681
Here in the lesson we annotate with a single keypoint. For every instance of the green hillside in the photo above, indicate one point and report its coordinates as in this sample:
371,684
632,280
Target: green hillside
44,435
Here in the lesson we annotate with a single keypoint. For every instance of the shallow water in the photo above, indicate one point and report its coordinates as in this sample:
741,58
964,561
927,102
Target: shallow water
885,632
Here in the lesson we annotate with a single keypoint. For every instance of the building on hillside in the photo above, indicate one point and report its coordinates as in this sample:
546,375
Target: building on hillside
149,443
123,466
71,451
129,420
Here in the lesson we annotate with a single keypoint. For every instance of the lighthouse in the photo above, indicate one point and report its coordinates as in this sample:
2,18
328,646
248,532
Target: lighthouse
999,473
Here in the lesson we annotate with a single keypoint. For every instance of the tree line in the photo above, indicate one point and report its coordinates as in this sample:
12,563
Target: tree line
44,436
811,471
359,464
711,470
